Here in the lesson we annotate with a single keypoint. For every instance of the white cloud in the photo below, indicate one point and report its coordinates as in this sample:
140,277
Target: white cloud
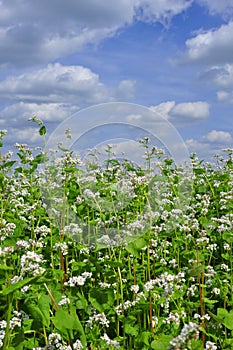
160,10
125,90
190,110
212,47
221,76
204,150
196,146
164,108
134,117
33,32
186,112
224,7
61,84
38,31
26,135
20,112
225,96
215,136
127,149
210,144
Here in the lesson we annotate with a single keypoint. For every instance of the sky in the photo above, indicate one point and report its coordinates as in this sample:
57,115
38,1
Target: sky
173,56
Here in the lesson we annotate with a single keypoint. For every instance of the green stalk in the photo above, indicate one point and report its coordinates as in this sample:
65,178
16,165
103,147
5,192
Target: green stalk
121,284
51,247
201,281
231,269
45,335
8,318
121,293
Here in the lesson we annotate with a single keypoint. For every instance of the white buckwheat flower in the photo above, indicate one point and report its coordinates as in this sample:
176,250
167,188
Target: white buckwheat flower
210,346
134,288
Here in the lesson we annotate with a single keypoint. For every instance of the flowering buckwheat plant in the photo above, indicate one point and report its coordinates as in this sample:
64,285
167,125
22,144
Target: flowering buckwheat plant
151,285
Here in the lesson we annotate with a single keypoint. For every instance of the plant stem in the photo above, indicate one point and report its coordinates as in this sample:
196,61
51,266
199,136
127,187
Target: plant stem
8,318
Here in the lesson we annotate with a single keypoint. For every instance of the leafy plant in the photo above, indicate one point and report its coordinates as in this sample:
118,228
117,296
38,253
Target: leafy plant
145,264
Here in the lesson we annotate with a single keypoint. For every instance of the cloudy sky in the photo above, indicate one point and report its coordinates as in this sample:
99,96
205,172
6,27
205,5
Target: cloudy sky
58,57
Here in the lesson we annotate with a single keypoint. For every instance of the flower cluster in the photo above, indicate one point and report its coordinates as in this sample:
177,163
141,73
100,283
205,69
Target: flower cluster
98,318
78,280
55,341
110,342
30,264
7,229
189,331
64,301
156,243
129,304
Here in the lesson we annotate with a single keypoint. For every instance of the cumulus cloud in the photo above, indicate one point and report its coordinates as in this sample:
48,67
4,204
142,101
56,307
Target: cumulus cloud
214,46
39,31
28,135
193,110
225,96
125,90
61,84
20,112
220,75
164,108
196,146
186,112
210,144
224,7
33,32
160,10
218,137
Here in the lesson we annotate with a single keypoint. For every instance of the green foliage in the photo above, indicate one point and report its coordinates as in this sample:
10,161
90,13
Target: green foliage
164,277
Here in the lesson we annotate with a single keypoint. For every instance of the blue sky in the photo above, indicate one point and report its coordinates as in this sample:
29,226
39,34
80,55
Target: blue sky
175,57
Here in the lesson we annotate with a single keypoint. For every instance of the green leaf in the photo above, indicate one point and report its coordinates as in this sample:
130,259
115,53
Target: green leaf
115,264
133,250
19,170
101,299
196,345
228,237
34,311
162,343
144,337
135,247
131,330
228,320
140,243
42,130
19,285
8,164
222,313
211,302
224,317
228,344
82,303
44,305
1,178
18,339
199,171
225,256
40,158
6,268
68,320
30,343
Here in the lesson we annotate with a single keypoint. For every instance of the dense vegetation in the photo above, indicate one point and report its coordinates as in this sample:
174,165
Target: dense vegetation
115,256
